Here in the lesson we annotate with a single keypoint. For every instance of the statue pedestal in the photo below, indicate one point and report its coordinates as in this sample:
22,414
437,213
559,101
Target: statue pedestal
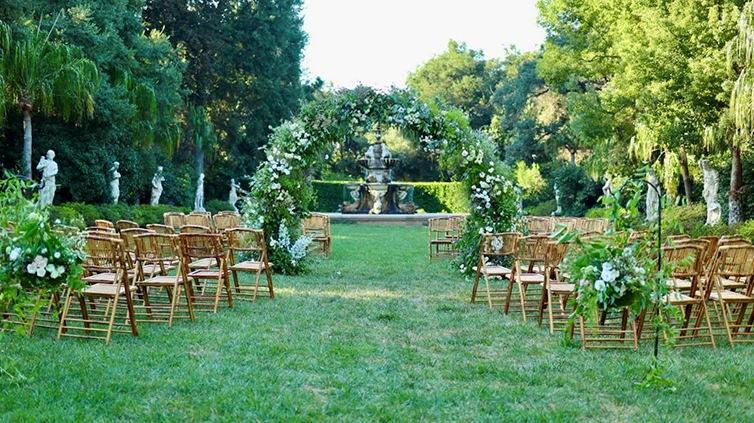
375,198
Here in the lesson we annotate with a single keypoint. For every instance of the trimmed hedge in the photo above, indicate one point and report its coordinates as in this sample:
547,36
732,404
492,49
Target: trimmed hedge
82,215
432,197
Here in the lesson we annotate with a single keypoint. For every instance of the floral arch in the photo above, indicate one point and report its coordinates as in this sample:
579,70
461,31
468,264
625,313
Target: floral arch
281,189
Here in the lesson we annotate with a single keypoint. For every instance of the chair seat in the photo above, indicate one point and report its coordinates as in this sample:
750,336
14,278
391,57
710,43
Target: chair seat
730,296
682,284
101,278
205,274
203,263
159,281
562,287
494,271
678,298
732,284
247,266
102,289
531,278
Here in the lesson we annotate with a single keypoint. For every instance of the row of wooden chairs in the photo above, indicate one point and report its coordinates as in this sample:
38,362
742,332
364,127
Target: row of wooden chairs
170,277
550,224
215,223
532,281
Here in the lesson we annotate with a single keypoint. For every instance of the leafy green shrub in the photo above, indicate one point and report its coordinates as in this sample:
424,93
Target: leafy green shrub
597,212
544,208
746,229
328,195
578,192
142,214
67,216
215,206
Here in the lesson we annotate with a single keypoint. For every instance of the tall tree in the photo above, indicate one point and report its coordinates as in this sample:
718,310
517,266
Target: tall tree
47,76
461,77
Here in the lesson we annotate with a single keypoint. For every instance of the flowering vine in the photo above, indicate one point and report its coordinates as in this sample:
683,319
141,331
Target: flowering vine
281,190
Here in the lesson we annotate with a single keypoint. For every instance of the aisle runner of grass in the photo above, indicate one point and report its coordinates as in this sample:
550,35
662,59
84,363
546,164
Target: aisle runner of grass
375,333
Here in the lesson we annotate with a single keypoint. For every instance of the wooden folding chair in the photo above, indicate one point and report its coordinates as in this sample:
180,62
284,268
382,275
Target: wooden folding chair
204,264
156,255
734,263
226,220
529,278
496,260
441,237
126,224
160,229
557,288
174,219
250,245
107,293
199,219
101,223
317,227
195,229
687,265
127,235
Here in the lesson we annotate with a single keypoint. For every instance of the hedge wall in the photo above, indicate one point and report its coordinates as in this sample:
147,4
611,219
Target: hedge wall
432,197
82,215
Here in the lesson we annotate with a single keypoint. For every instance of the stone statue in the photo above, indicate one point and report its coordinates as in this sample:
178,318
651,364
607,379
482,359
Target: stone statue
607,189
711,185
115,183
519,200
47,186
376,157
653,199
157,187
233,195
559,210
199,198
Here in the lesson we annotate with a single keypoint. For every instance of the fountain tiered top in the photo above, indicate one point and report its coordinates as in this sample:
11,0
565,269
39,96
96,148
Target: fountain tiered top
378,162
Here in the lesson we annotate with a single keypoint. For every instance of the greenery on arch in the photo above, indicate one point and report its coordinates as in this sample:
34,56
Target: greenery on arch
281,190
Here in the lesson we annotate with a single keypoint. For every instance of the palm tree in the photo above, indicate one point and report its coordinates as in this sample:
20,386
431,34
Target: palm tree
44,76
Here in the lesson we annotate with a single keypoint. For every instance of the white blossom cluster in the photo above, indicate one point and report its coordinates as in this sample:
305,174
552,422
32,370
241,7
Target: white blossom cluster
297,250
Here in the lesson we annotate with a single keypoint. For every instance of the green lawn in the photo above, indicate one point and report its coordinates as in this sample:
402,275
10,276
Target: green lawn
375,333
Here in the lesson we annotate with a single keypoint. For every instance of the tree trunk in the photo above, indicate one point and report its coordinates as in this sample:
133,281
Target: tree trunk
735,204
27,144
685,174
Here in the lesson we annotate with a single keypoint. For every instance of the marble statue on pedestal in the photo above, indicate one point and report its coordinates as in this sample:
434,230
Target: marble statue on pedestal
233,194
157,180
199,198
711,185
559,209
47,186
653,199
519,200
607,189
115,183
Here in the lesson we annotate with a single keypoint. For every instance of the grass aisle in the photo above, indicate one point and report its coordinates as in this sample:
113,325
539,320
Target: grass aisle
375,333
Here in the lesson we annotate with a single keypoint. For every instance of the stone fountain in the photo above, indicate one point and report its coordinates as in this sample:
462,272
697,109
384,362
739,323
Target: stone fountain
378,195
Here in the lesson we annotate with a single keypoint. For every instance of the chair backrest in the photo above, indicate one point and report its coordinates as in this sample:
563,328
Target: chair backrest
199,219
104,224
248,241
687,262
157,249
497,246
538,225
554,256
104,255
160,228
673,239
225,221
174,219
532,249
102,232
317,225
733,262
126,224
195,229
440,227
128,237
200,246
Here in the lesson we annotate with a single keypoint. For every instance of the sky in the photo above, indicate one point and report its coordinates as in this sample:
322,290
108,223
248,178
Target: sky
379,42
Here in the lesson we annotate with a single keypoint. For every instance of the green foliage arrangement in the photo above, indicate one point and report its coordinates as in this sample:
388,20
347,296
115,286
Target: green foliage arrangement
282,191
